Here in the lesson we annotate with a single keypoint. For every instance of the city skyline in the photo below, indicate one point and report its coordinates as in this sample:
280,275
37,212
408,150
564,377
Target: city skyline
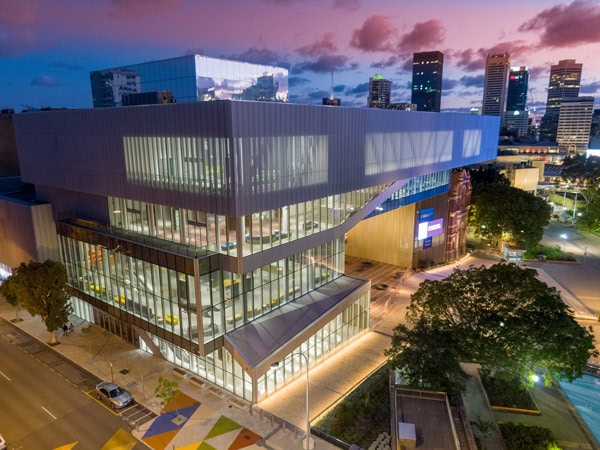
48,49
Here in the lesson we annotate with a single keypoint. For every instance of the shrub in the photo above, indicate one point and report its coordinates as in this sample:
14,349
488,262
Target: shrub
518,436
363,415
509,393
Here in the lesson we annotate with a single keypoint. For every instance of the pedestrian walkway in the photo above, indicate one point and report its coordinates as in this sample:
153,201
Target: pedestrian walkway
208,421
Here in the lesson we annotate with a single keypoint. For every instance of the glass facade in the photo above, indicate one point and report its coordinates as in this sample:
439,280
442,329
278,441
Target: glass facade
206,302
251,234
191,78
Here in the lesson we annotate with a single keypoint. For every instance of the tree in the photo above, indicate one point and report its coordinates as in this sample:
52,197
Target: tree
40,288
502,317
590,213
167,391
580,168
8,293
486,176
427,357
499,212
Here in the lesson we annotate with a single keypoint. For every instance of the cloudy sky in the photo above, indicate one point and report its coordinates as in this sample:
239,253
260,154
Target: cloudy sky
48,47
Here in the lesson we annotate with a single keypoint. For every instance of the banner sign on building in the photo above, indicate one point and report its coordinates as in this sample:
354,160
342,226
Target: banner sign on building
425,215
429,229
428,242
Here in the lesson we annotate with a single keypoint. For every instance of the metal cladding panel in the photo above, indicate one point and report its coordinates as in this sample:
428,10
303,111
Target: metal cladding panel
250,156
84,150
345,149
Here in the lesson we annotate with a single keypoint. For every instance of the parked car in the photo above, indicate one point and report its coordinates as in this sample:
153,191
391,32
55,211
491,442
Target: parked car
114,395
311,225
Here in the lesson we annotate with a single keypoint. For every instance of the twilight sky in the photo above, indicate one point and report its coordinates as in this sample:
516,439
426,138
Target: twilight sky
48,47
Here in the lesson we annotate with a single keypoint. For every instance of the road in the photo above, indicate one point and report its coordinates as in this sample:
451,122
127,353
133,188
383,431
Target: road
42,409
582,278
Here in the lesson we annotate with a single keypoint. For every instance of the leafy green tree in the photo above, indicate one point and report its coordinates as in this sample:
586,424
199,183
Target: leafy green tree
427,357
40,288
167,391
590,214
499,212
485,176
8,293
503,317
580,168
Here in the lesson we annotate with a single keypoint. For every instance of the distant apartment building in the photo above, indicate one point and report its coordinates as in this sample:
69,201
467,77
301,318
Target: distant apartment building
380,91
564,82
495,85
191,78
427,72
574,124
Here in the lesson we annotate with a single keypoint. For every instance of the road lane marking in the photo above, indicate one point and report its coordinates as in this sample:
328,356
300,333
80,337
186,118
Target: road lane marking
2,373
49,413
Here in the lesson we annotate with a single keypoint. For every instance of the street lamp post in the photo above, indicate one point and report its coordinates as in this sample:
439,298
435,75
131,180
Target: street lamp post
564,238
275,365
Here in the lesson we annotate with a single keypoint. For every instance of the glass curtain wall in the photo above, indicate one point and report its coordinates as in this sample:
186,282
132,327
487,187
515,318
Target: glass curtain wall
167,298
350,323
218,233
220,368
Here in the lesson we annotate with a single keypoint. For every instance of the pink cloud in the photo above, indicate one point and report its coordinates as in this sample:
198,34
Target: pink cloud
323,45
347,5
423,36
18,13
45,81
472,59
128,8
568,25
324,64
16,42
374,35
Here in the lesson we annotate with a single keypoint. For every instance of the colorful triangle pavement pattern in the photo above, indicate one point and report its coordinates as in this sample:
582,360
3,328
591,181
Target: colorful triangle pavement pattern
203,429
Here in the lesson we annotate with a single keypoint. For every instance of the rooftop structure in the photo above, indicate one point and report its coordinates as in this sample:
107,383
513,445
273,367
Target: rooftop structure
191,78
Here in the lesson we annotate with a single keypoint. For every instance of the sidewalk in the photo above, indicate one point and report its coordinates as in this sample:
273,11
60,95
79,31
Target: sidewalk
210,421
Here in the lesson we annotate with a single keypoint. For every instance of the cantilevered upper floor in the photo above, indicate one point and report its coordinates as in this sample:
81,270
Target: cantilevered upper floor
235,157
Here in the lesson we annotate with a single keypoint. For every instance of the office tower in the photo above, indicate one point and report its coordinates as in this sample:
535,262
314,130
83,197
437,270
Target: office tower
574,124
518,83
427,80
379,92
213,233
495,84
515,120
565,78
191,78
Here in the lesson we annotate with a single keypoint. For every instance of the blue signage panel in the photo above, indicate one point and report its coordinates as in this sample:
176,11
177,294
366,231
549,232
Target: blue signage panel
425,215
427,243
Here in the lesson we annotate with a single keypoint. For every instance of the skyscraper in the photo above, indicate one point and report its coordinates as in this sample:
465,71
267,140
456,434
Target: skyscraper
574,124
379,92
495,84
565,78
427,80
518,81
516,118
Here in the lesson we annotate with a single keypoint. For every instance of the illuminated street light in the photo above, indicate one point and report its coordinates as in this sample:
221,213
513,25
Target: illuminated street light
564,238
274,366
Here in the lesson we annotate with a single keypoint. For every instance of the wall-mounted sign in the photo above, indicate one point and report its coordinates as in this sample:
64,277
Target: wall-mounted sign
429,229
